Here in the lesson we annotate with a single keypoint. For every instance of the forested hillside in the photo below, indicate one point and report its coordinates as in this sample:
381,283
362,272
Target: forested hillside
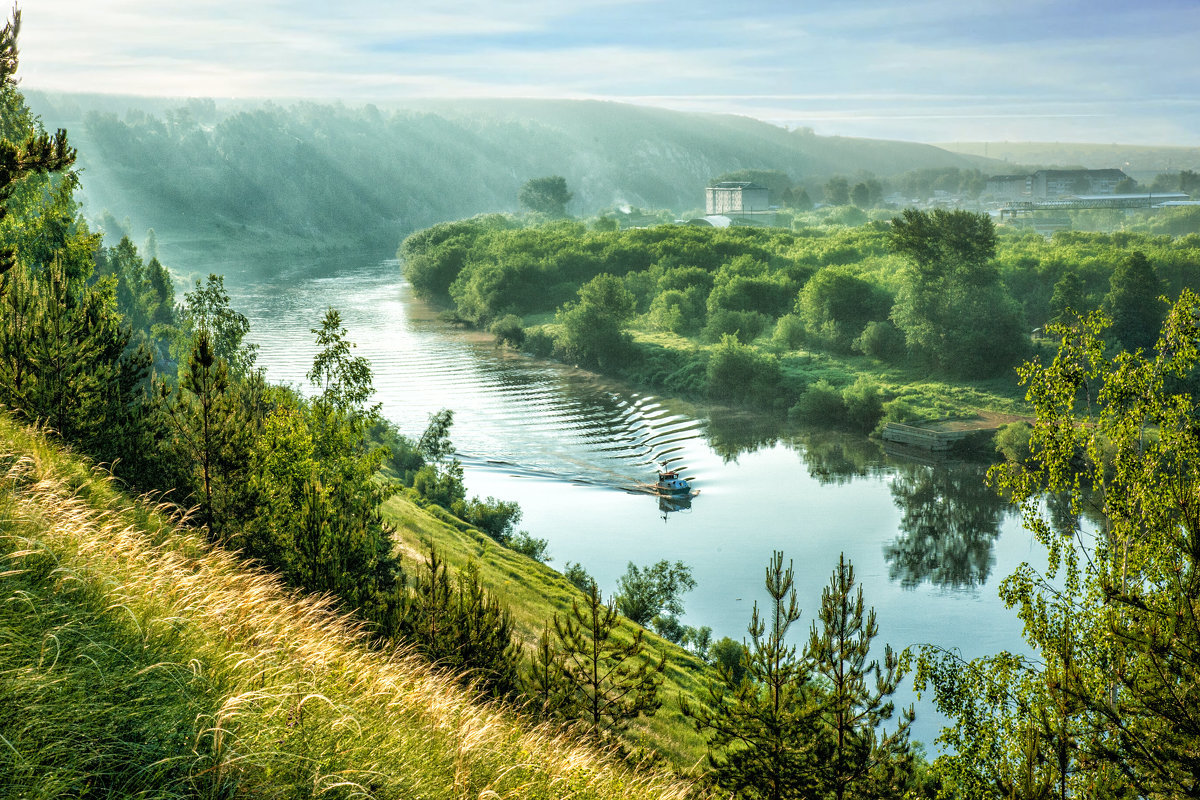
304,175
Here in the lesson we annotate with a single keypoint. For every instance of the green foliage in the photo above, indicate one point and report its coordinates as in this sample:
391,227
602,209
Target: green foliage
605,684
579,577
345,381
762,730
462,628
863,403
1068,298
1133,303
1012,441
742,374
789,332
730,658
208,309
881,339
508,330
497,518
951,305
547,195
862,761
837,306
644,593
593,329
530,546
1105,706
820,404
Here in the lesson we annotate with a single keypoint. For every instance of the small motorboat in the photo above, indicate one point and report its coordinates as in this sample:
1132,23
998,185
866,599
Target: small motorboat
671,482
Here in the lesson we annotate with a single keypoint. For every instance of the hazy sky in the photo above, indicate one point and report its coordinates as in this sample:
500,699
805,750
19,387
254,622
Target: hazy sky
928,70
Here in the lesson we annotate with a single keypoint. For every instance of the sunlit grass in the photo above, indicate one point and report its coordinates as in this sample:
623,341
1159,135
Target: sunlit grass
137,661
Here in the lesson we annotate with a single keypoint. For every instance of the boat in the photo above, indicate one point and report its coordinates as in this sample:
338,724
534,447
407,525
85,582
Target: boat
670,482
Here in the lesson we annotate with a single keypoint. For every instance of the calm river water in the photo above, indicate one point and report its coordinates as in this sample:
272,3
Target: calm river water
928,541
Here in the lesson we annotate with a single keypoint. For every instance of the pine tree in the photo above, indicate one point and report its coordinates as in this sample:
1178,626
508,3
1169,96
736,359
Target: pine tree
607,683
861,762
39,153
762,730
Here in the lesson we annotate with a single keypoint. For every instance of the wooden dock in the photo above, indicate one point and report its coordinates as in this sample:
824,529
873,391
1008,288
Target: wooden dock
924,438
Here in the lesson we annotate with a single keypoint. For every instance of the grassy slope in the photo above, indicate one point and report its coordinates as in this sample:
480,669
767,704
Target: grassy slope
535,593
135,659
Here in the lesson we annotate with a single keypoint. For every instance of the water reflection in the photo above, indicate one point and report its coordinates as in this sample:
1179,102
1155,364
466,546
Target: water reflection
951,519
837,459
669,504
733,433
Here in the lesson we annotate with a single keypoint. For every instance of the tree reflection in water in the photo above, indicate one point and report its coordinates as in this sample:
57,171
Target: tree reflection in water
838,458
951,519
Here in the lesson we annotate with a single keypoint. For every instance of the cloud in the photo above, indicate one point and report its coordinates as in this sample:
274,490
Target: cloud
854,65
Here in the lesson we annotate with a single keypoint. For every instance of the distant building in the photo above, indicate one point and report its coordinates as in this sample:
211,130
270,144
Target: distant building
736,197
1009,187
1048,184
742,201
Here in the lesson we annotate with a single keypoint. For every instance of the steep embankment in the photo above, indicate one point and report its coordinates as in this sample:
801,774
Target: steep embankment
308,176
136,659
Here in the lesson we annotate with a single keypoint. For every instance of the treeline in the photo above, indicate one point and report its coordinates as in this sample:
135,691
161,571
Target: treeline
942,293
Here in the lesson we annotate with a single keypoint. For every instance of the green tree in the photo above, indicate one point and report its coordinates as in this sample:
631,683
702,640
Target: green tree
462,628
547,195
951,305
837,191
1133,302
860,195
35,152
1068,297
607,682
1106,706
644,593
863,762
204,421
763,730
208,308
593,329
345,380
836,306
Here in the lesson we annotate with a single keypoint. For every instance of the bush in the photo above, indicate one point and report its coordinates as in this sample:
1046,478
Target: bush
1012,441
739,373
508,330
539,342
881,339
440,487
530,546
496,518
730,657
863,404
789,332
821,404
746,325
900,411
579,577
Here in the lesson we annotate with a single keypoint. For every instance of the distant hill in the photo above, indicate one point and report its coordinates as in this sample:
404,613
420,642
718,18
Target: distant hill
1139,161
314,176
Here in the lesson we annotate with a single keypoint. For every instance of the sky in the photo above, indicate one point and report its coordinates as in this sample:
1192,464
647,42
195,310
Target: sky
921,70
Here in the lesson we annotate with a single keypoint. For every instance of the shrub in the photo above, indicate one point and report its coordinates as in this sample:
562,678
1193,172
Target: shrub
745,325
508,330
530,546
496,518
881,339
1012,441
738,373
539,342
863,404
821,404
789,332
900,411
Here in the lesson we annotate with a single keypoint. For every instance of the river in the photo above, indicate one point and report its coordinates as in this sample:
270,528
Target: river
928,541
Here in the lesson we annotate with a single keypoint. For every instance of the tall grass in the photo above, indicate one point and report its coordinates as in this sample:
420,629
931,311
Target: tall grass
135,660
